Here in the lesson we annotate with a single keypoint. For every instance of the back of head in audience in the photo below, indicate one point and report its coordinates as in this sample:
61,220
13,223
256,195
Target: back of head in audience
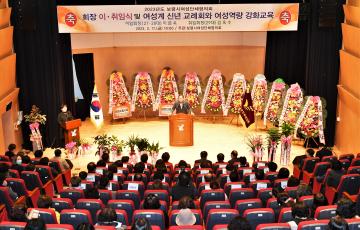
139,167
184,179
186,202
38,153
125,159
205,164
345,208
75,181
85,226
83,175
319,200
310,152
91,167
208,177
151,202
165,157
243,161
57,152
234,176
300,211
91,193
303,190
18,213
336,165
106,216
338,223
234,154
182,164
283,173
214,185
158,176
157,185
112,168
105,157
144,158
284,199
138,177
35,224
25,159
44,161
118,163
272,166
104,181
259,175
239,223
141,224
203,155
101,163
293,182
220,157
44,201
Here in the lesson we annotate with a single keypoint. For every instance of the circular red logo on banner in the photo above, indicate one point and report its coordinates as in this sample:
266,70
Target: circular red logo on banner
285,17
70,19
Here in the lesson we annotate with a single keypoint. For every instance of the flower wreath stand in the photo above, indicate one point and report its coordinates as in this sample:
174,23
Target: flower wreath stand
259,94
143,94
287,131
167,93
35,136
119,98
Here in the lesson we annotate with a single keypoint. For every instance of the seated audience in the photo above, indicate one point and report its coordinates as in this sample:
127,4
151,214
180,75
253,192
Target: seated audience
45,201
319,200
203,158
63,163
299,160
157,185
259,175
272,166
85,226
345,208
325,151
335,174
17,163
234,157
144,158
338,223
184,187
35,224
118,163
38,154
220,158
30,167
138,177
186,202
152,202
112,168
104,182
185,217
45,162
101,163
107,217
234,176
91,193
243,162
139,167
300,213
166,157
4,184
11,151
105,157
18,213
239,223
75,182
182,164
140,224
283,173
303,190
91,167
293,182
25,159
83,175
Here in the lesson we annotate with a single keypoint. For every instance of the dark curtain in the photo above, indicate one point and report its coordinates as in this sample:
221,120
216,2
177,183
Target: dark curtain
84,65
309,56
44,67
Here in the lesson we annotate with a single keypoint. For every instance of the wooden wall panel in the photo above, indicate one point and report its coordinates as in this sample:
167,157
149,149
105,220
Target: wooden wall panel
351,39
350,72
6,38
347,129
201,59
5,17
352,15
7,75
3,4
354,3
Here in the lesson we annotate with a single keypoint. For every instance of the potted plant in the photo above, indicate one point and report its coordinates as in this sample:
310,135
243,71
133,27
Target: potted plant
131,143
154,149
103,142
116,146
256,147
273,139
287,130
35,118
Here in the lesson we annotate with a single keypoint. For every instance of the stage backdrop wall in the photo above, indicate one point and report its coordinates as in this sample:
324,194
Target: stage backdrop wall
231,52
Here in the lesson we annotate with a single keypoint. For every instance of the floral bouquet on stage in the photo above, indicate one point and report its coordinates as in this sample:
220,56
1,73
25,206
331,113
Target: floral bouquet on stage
236,94
287,131
256,147
35,118
273,139
167,92
143,94
292,105
119,98
214,99
274,102
154,149
259,94
72,149
310,122
192,89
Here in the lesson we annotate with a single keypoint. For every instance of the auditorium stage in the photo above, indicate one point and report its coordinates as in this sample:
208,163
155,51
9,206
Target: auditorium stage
219,137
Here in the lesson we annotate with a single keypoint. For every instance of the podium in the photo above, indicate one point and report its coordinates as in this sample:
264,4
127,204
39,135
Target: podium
181,129
72,131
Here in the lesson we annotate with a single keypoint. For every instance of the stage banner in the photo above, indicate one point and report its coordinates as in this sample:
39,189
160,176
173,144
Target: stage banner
178,18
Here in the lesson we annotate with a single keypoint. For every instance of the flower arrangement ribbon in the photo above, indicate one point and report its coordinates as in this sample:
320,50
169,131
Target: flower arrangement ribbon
148,92
35,135
192,89
166,76
215,75
118,93
259,93
292,105
285,150
315,102
273,104
238,81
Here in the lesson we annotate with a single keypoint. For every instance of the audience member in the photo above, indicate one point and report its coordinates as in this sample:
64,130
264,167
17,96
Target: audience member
144,158
182,164
35,224
45,201
38,154
152,202
139,167
220,158
234,176
107,217
325,151
283,173
345,208
299,160
186,202
18,213
45,162
112,168
30,167
259,175
4,184
140,224
185,217
91,193
184,187
63,163
158,185
11,151
319,200
91,167
105,157
293,182
272,166
239,223
203,159
233,155
243,162
101,163
335,174
17,161
300,213
338,223
85,226
25,159
138,177
83,175
75,182
303,190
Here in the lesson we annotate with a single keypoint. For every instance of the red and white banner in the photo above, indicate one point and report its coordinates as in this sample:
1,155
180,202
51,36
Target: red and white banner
178,18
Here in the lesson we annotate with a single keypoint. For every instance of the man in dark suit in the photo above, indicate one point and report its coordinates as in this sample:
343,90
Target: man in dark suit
299,160
335,174
181,106
325,151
